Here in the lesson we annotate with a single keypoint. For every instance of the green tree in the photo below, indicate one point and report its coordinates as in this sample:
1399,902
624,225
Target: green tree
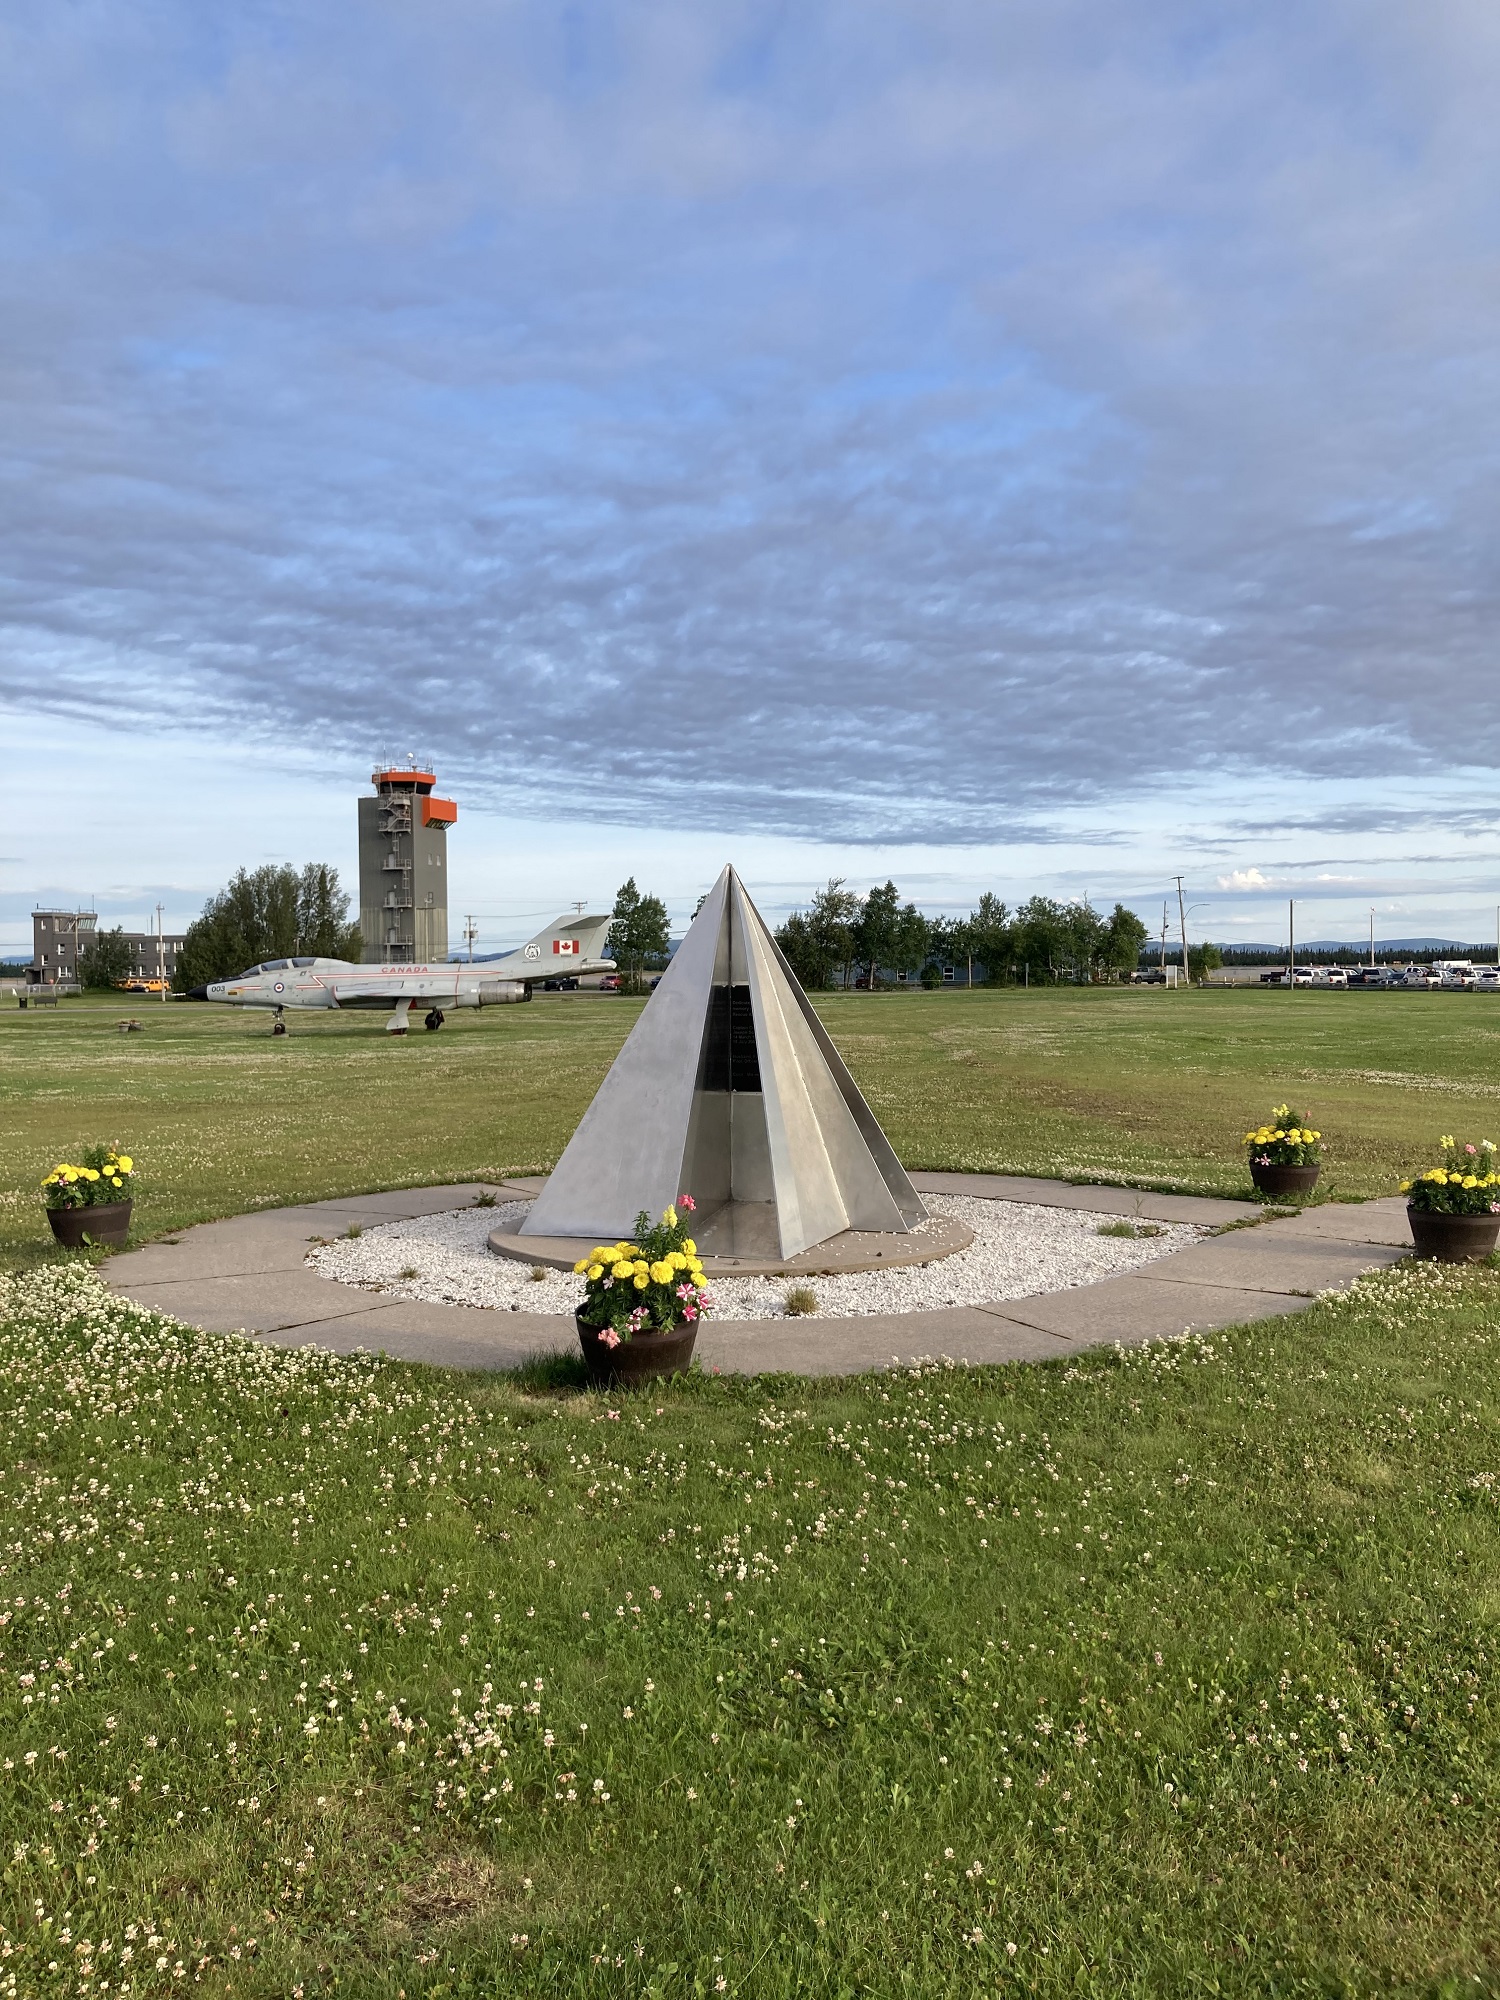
819,942
1124,941
106,961
1203,959
985,937
912,941
323,926
273,911
876,931
1041,939
638,937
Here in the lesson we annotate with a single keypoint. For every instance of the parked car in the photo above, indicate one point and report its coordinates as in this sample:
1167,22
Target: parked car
1330,975
610,983
1153,976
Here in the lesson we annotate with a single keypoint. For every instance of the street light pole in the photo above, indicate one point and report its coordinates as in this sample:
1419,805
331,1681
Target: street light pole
161,955
1372,933
1291,943
1182,921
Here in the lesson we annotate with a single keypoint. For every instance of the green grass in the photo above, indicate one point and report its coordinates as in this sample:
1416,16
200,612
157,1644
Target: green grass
1149,1674
1142,1087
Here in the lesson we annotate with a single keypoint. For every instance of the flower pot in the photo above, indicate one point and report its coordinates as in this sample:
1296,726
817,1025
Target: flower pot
1284,1180
1452,1239
642,1358
106,1222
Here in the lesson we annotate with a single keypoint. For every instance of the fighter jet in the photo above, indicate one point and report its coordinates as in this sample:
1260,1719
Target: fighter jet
567,947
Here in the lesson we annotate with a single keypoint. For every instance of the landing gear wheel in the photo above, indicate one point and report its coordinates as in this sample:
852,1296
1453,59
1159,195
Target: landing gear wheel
434,1020
278,1026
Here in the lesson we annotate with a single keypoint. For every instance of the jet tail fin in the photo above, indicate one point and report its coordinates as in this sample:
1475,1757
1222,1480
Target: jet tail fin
567,942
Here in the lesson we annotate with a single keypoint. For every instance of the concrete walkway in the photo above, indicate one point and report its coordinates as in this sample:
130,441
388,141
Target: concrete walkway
249,1274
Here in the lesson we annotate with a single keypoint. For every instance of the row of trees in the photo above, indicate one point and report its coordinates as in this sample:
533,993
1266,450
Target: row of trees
842,938
269,912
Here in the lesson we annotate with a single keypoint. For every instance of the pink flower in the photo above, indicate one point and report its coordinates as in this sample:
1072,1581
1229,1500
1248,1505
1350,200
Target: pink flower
690,1313
686,1201
1471,1150
613,1415
608,1337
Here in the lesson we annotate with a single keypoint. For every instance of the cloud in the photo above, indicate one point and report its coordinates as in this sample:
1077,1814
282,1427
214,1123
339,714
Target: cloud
1244,878
886,421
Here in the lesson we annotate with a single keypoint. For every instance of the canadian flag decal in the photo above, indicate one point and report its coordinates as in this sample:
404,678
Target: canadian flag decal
565,947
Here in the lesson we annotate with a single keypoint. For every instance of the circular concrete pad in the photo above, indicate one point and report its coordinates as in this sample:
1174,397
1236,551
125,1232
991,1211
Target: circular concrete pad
855,1250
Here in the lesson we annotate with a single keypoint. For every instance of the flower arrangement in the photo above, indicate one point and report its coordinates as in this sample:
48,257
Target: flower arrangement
104,1176
1285,1140
648,1285
1465,1184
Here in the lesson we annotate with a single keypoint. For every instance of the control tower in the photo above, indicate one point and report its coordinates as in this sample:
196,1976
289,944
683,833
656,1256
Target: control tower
403,869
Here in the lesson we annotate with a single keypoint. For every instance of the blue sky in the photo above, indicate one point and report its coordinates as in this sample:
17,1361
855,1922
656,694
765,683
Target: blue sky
1049,446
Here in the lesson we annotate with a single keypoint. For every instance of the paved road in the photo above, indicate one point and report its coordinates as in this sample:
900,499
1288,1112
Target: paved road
248,1274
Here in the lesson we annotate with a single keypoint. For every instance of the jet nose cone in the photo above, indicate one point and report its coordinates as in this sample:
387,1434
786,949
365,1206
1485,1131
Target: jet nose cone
203,993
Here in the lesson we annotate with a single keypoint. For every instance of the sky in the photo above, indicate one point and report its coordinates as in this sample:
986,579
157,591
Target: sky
1048,447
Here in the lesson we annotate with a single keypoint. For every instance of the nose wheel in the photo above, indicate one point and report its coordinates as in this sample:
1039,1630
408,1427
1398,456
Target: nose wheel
278,1026
434,1020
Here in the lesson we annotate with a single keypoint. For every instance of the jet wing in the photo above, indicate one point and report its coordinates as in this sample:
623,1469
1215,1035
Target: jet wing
396,984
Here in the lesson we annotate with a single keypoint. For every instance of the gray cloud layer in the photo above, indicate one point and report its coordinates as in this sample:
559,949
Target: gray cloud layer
886,421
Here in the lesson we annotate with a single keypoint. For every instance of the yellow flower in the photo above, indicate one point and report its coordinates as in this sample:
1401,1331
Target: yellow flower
622,1270
1470,1180
579,1268
1278,1135
640,1281
1249,1138
669,1216
661,1273
690,1246
677,1261
1406,1187
91,1173
117,1181
1295,1135
1448,1141
596,1270
638,1266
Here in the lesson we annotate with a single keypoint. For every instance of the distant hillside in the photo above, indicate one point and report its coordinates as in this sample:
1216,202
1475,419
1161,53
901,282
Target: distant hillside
1382,946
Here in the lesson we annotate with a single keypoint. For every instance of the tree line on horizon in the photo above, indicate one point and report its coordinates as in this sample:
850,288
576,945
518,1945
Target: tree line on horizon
275,911
845,939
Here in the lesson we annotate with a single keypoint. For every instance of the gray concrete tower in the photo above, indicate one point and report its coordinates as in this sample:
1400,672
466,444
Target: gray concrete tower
403,869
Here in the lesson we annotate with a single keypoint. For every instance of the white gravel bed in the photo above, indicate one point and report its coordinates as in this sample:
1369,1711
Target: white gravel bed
1018,1251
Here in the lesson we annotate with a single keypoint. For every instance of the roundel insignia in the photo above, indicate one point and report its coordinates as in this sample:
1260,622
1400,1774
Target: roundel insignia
279,987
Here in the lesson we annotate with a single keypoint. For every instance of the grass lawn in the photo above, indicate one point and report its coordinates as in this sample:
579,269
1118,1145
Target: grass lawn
1120,1085
1148,1674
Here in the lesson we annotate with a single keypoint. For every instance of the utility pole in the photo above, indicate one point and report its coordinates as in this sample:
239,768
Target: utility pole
1164,935
1372,933
1182,920
161,955
1291,943
471,931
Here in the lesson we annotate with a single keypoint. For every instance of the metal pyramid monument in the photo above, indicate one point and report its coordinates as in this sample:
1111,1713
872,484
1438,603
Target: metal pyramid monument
729,1089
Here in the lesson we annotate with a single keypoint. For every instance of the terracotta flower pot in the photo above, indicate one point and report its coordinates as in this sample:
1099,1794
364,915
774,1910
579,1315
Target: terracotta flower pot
642,1358
106,1222
1452,1239
1284,1180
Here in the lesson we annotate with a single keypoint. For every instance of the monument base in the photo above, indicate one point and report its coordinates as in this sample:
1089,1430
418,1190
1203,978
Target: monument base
738,1241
